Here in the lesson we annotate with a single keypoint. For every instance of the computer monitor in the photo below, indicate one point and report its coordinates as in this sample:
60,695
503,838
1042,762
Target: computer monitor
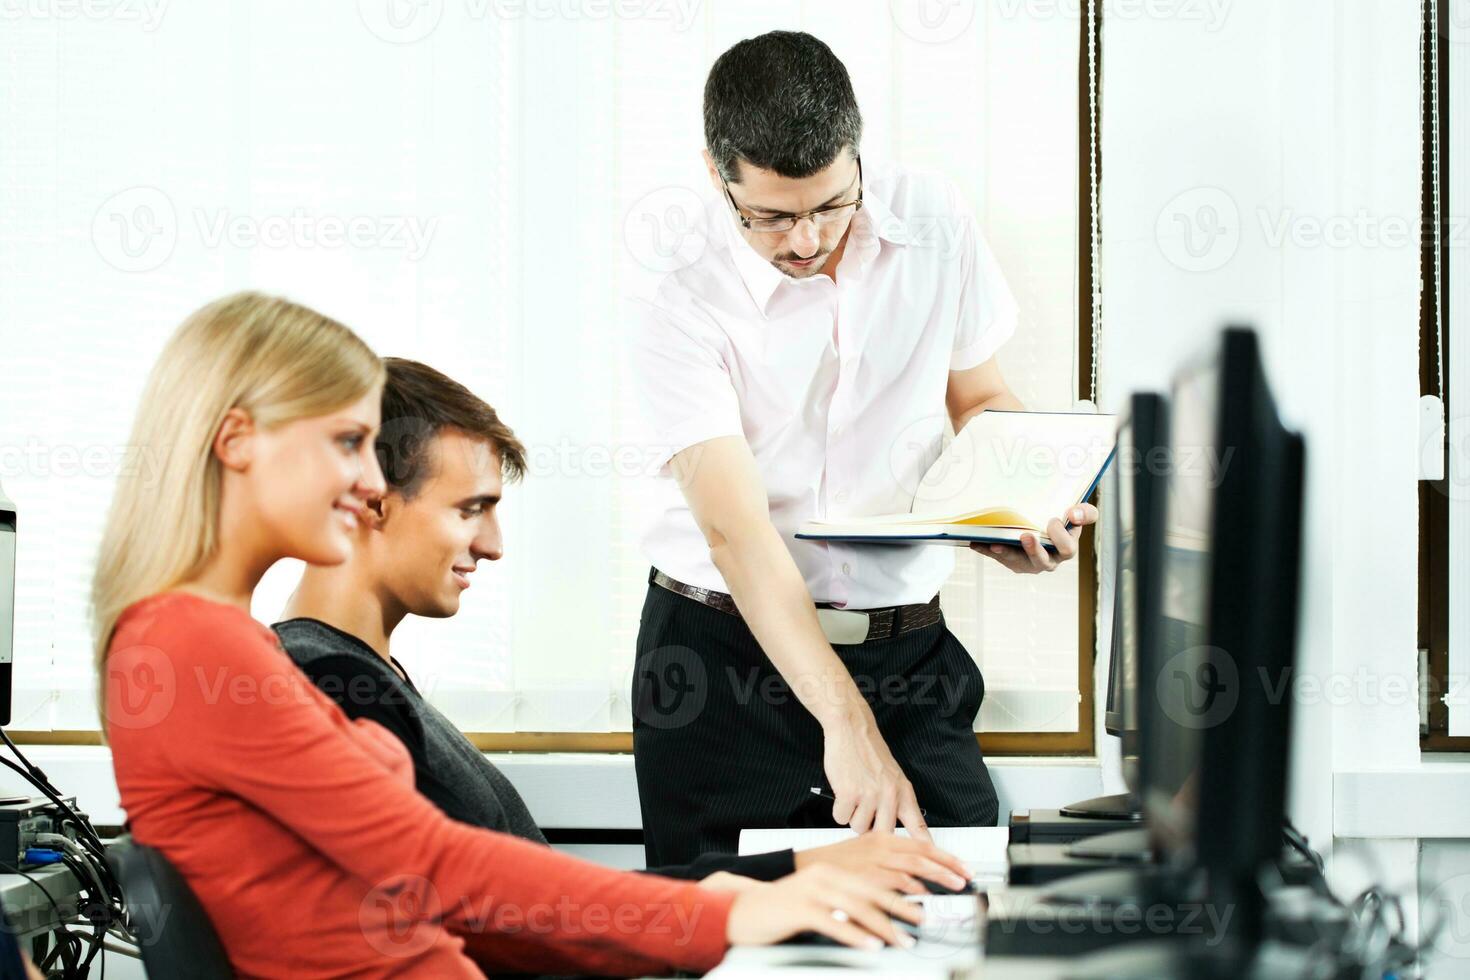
1130,505
1221,659
7,603
1215,675
1137,494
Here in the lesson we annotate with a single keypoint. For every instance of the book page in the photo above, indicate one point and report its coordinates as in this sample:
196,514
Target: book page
1033,465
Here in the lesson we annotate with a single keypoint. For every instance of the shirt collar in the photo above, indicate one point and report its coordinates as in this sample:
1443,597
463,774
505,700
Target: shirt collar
874,223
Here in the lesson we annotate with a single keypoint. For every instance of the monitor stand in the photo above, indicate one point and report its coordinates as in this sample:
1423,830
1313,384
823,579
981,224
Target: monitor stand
1100,890
1119,806
1125,846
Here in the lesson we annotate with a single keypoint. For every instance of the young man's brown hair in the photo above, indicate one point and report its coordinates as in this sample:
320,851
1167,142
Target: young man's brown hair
418,404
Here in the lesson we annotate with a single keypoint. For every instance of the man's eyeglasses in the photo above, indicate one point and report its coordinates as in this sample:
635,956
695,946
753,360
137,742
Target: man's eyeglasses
821,217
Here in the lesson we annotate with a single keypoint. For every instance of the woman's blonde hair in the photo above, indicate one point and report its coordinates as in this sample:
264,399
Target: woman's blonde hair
275,359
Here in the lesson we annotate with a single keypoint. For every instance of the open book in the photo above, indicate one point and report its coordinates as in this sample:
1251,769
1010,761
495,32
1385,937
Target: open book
1004,475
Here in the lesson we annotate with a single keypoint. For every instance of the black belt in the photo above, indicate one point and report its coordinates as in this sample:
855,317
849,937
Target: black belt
882,624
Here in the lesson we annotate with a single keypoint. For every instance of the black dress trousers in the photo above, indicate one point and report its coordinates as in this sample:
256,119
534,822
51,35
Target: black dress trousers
721,742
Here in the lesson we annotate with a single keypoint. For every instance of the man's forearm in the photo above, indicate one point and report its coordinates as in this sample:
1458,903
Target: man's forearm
1005,401
772,597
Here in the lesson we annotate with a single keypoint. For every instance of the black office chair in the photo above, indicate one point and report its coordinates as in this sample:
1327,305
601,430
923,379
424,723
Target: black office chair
174,933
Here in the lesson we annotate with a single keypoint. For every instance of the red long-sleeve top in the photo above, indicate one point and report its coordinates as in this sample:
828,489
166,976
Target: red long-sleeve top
303,837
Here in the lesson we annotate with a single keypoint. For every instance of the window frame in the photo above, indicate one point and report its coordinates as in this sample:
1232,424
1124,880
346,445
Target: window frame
1434,509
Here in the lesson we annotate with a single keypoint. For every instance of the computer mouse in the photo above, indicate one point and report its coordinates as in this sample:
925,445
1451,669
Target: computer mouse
935,888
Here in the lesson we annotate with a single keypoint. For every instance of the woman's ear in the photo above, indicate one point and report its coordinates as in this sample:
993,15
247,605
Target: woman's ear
375,514
234,441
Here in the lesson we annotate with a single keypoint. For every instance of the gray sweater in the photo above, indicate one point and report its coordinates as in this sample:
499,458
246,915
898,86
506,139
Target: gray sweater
447,767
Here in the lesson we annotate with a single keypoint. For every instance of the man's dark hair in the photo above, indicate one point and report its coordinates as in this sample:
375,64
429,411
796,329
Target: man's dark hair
780,102
419,403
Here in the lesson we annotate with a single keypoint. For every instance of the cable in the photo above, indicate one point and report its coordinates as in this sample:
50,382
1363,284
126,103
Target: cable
98,914
1375,942
39,779
1299,843
33,774
92,874
55,797
86,857
112,887
97,870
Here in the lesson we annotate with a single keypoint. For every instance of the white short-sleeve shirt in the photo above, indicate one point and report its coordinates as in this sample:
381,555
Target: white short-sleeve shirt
837,387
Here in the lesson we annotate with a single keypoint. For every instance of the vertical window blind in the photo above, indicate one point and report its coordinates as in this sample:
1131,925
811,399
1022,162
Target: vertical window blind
475,185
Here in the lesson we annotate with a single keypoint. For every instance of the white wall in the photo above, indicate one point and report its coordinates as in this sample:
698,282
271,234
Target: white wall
1283,140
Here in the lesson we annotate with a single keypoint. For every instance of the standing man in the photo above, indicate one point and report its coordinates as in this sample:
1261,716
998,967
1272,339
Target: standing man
804,367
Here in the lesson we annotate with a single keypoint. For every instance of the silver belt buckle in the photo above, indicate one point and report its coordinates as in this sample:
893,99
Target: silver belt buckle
844,626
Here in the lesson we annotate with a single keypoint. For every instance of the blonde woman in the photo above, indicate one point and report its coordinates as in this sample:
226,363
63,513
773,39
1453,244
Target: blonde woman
300,830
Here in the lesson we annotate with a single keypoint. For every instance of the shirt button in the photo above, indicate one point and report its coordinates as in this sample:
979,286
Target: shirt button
846,569
841,495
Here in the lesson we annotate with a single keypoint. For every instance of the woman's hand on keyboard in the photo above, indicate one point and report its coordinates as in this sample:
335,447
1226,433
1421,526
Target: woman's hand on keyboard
838,904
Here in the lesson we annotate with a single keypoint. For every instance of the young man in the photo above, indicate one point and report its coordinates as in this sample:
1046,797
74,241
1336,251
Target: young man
804,366
444,455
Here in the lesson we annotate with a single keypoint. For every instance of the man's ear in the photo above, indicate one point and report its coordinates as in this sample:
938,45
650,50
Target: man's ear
714,172
378,510
234,440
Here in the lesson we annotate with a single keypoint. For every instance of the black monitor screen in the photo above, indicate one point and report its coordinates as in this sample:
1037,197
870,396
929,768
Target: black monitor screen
7,606
1182,670
1121,511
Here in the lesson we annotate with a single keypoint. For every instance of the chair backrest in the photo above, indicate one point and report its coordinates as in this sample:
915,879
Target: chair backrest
174,933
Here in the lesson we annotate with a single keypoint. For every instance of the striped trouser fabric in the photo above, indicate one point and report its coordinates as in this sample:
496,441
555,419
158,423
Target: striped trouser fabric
721,743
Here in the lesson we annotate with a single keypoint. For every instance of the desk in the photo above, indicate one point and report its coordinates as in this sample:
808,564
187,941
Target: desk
31,912
949,942
955,955
26,905
929,960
